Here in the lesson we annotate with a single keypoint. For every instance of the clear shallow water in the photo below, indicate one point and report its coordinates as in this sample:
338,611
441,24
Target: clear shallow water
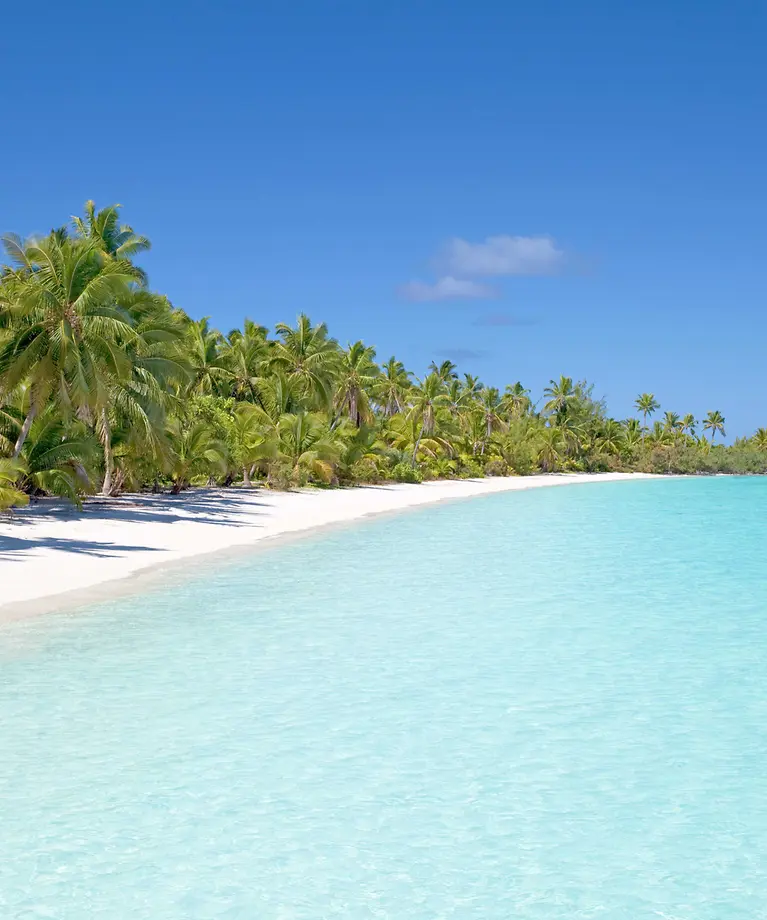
549,704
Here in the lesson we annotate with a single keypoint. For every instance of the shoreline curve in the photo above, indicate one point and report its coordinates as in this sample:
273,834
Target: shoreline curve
54,557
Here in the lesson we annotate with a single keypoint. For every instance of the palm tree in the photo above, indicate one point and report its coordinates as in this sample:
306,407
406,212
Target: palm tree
405,434
457,398
278,395
612,437
115,240
687,424
392,386
308,446
253,438
517,400
11,471
203,349
647,404
660,434
103,228
574,435
357,376
306,354
560,394
446,371
760,438
549,440
633,434
60,459
671,421
714,422
68,332
471,386
136,400
428,397
490,406
245,355
195,453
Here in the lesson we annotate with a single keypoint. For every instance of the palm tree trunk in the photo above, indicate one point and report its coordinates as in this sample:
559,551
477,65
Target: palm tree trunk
245,476
106,442
418,443
24,431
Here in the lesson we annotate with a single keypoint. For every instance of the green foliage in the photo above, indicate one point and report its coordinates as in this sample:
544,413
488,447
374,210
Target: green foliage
405,472
11,471
105,386
496,467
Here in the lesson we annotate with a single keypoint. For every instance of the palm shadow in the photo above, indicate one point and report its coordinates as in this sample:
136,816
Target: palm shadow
199,507
15,548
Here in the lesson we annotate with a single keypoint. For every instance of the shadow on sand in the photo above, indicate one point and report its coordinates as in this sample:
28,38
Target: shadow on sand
13,548
200,507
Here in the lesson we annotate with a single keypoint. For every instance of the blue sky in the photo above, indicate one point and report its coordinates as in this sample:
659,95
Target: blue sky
535,189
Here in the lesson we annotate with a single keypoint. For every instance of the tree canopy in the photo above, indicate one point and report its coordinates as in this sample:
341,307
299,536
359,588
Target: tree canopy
106,386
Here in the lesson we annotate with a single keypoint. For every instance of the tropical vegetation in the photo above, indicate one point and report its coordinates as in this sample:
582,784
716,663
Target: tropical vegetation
106,386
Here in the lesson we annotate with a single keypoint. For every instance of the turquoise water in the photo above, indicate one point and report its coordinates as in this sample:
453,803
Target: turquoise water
549,704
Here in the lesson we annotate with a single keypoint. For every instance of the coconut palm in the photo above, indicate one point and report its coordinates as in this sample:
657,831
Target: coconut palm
427,398
253,439
549,443
60,458
68,331
245,355
405,434
137,400
11,471
446,371
459,398
559,394
357,375
660,435
490,405
671,421
647,404
471,386
203,350
278,395
517,400
308,356
392,387
308,446
612,437
760,438
714,422
194,453
687,424
103,227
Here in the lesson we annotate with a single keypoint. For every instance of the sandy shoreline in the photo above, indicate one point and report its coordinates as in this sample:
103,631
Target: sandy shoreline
54,556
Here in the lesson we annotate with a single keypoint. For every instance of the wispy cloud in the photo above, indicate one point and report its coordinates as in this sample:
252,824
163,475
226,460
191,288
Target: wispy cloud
446,288
503,255
461,354
504,319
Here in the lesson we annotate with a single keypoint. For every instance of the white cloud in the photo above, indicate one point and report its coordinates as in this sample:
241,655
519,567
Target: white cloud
503,255
447,288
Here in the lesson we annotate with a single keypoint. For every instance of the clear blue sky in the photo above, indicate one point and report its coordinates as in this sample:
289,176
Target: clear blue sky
318,156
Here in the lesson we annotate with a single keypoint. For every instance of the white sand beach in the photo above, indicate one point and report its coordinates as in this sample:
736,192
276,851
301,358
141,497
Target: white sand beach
53,555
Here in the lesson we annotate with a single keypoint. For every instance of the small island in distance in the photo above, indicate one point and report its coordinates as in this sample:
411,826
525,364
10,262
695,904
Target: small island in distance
107,387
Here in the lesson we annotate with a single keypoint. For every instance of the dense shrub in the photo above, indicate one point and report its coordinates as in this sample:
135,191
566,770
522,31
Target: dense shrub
496,467
404,472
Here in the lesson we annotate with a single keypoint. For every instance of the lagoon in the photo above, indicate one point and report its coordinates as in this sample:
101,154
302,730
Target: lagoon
543,704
